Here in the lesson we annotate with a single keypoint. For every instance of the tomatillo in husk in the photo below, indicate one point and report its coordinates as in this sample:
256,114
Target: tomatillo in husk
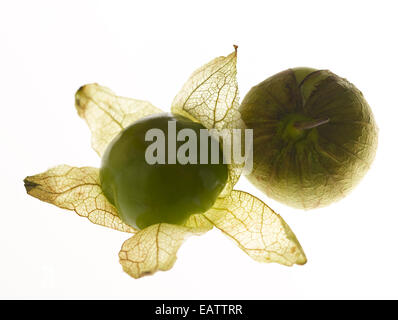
314,136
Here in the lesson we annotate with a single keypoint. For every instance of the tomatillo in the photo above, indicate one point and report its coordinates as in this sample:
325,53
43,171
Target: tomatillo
315,136
146,193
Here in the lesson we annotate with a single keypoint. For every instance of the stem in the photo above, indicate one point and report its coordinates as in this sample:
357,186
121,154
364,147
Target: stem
305,125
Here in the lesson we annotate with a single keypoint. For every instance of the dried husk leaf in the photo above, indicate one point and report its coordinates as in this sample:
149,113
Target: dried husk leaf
256,229
107,114
153,249
76,189
211,96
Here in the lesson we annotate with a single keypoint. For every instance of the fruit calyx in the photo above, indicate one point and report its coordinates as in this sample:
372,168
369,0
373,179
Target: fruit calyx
305,125
296,127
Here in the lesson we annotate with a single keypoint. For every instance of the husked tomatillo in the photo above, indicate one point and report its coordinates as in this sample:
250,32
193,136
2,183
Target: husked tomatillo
146,193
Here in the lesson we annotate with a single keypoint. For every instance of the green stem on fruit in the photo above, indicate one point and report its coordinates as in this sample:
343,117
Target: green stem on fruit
305,125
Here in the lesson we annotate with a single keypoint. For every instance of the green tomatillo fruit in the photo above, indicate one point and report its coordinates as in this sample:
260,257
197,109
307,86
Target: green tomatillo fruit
314,136
147,193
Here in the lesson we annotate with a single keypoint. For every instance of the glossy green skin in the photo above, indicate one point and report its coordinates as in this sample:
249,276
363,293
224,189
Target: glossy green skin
147,194
309,168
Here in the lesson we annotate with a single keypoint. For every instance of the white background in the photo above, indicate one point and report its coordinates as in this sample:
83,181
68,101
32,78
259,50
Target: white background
147,50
